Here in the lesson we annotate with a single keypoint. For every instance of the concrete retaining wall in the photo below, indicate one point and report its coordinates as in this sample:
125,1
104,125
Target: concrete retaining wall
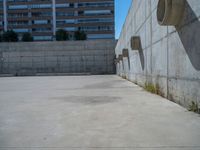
95,57
170,56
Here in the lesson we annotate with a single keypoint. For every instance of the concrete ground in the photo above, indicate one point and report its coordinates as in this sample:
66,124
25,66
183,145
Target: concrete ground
91,113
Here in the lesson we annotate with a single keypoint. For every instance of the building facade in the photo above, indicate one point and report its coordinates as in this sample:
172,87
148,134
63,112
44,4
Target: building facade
42,18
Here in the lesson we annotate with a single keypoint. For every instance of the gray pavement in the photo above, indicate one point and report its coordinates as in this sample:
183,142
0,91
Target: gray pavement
89,113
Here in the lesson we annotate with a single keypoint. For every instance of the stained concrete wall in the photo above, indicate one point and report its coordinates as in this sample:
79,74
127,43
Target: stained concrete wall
170,56
95,57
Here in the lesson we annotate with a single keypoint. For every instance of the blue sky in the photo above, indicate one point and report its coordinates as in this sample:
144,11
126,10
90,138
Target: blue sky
121,10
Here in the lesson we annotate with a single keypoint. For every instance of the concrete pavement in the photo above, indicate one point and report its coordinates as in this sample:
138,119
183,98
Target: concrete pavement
89,113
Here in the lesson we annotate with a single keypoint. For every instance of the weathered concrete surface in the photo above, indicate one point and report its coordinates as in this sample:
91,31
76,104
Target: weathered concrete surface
91,56
91,112
170,56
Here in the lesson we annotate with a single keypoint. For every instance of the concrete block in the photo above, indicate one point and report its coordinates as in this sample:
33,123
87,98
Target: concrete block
50,59
25,59
26,65
38,64
38,59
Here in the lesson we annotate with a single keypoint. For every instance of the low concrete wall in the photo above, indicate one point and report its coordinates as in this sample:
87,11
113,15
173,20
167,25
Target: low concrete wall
95,57
170,56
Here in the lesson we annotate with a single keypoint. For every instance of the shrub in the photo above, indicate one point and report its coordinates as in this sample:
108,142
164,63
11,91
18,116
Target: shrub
27,37
194,107
10,36
80,35
62,35
154,89
150,87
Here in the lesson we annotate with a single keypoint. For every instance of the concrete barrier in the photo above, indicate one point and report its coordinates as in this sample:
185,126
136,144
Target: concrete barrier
71,57
169,59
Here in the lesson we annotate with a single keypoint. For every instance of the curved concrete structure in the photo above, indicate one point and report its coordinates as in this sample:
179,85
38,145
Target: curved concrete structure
170,12
120,57
135,43
125,52
116,61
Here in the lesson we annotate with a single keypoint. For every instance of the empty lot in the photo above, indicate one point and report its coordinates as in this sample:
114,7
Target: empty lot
91,112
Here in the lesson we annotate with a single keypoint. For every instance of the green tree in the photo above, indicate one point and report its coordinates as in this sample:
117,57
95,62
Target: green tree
80,35
27,37
62,35
10,36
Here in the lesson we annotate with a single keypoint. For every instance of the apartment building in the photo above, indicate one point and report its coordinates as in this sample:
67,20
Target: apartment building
1,16
42,18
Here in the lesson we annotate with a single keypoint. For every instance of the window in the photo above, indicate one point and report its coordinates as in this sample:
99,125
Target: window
95,12
41,14
20,30
42,38
17,7
100,36
64,13
16,23
95,20
41,29
35,6
96,4
41,21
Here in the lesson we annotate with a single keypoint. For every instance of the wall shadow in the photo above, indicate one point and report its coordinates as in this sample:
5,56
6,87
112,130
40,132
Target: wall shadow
189,33
125,53
129,63
141,54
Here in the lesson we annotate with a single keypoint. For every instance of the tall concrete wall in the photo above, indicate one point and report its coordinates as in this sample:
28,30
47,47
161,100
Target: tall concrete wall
170,56
95,57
